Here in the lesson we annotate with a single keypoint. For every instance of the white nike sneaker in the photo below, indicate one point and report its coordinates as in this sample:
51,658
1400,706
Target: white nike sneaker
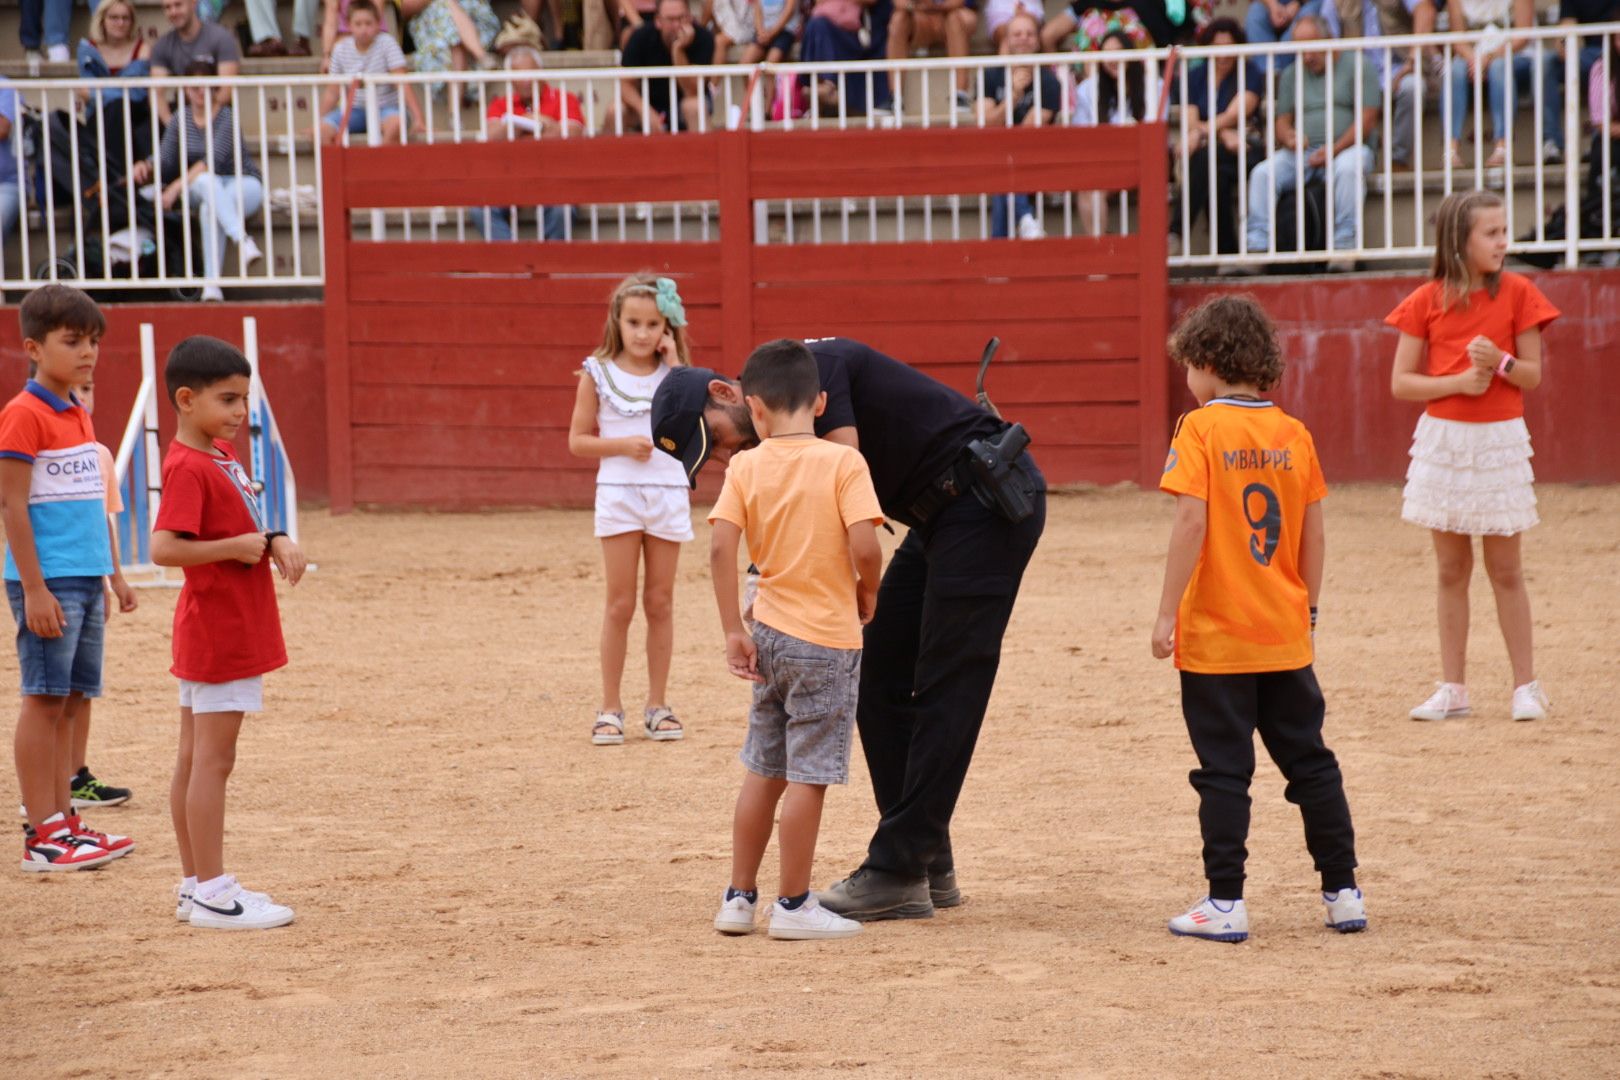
1530,702
182,903
1209,919
1448,702
809,922
238,909
736,915
1346,912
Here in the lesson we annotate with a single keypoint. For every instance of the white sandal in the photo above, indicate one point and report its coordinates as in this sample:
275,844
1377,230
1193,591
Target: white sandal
660,715
608,729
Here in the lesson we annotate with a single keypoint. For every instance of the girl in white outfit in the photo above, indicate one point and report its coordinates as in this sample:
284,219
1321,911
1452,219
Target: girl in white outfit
643,513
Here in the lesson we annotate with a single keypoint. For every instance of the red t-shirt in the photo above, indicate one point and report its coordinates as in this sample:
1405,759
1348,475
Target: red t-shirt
552,104
226,625
1517,306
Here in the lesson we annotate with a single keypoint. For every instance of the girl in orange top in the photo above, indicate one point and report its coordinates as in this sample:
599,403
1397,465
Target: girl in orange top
1470,347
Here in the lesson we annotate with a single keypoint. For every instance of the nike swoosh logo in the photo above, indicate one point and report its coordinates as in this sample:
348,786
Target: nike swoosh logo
235,908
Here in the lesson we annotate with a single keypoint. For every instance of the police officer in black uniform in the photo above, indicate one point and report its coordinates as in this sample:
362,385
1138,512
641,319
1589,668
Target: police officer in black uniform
932,648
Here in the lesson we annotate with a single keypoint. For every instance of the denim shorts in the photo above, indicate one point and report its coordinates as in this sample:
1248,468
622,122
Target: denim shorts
70,664
803,712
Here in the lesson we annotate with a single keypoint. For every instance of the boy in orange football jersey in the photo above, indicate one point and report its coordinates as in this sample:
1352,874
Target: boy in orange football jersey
1239,611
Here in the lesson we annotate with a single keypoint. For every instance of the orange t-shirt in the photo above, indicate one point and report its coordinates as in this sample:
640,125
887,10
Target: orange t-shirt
1246,608
1517,306
795,499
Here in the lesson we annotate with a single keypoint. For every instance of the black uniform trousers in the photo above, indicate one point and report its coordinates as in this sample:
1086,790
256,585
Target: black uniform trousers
930,659
1223,712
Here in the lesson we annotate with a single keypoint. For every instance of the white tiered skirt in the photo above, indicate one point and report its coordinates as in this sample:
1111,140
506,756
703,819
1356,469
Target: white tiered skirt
1470,478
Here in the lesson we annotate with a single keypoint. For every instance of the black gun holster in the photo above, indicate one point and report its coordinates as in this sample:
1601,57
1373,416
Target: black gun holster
998,481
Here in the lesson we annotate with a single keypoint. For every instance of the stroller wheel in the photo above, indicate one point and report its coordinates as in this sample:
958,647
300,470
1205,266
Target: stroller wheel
59,269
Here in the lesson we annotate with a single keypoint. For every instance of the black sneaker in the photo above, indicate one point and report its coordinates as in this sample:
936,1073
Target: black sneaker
88,791
871,895
942,888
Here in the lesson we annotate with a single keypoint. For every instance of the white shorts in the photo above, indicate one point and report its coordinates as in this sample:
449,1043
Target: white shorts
664,512
238,695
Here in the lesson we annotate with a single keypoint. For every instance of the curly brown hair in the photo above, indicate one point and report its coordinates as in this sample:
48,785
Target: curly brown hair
1231,336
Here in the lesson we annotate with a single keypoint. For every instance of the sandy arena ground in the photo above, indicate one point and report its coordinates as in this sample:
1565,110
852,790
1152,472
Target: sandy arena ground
480,892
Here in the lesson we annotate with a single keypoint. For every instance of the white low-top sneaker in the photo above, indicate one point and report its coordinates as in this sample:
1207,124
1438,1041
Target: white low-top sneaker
182,903
809,922
1214,920
1530,702
736,915
1030,228
1346,911
238,909
1448,702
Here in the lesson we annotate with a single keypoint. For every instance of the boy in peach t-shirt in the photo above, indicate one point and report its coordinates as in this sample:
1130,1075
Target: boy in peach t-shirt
810,514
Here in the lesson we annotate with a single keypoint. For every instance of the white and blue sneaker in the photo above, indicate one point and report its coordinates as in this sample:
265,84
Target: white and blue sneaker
237,908
1214,920
182,902
1346,912
736,915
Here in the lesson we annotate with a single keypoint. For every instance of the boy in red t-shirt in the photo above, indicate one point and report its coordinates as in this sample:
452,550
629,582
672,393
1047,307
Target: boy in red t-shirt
227,631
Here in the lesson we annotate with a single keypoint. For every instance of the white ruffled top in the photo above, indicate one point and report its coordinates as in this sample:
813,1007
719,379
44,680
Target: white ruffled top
624,409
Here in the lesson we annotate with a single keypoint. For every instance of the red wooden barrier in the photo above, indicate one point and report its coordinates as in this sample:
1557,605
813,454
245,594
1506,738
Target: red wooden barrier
450,367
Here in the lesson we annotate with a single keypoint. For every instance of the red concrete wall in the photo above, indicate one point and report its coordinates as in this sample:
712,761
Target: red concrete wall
292,359
1339,354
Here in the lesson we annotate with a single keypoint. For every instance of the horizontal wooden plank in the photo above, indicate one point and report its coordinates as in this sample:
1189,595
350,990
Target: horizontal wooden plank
466,325
550,363
525,190
962,179
775,153
919,344
934,302
436,407
474,488
1012,383
606,261
1087,464
516,287
513,448
970,260
1098,424
653,156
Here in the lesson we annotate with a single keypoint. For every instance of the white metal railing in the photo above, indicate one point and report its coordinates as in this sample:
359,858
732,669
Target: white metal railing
61,237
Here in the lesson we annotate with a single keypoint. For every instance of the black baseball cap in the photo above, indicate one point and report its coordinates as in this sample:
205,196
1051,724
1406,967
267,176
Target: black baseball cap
678,427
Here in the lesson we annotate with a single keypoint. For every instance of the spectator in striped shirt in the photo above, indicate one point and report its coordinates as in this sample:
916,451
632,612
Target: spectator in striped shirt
369,50
203,164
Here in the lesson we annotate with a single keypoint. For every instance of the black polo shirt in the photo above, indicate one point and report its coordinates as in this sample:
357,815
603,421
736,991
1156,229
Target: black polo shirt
911,427
646,49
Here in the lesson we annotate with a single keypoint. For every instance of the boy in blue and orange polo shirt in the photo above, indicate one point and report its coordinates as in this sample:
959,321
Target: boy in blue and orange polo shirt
57,553
1239,610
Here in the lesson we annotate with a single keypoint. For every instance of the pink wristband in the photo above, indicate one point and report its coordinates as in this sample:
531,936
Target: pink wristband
1506,365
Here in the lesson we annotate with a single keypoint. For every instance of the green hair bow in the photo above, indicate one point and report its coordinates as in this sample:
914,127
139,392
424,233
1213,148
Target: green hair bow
669,302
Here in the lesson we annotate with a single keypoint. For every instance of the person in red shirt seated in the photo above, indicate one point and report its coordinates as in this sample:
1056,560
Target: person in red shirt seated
530,109
227,630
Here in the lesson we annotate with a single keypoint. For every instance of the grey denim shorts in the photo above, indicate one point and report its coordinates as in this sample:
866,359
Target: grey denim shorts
803,713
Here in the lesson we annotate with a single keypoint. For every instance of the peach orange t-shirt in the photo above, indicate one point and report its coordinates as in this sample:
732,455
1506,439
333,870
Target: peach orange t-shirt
1517,306
795,499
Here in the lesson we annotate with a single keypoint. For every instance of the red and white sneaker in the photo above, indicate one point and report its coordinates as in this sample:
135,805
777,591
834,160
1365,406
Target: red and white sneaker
64,851
118,846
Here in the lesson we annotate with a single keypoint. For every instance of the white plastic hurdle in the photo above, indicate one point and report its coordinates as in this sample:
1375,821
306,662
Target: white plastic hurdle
139,464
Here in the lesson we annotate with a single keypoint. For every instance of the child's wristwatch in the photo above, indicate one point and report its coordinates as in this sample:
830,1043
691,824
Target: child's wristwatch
1506,365
270,537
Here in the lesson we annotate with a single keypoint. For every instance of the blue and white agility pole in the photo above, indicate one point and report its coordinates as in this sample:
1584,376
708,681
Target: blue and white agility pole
267,454
138,472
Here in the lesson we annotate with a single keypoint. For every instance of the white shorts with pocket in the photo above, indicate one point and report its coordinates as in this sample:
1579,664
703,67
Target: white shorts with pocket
238,695
664,512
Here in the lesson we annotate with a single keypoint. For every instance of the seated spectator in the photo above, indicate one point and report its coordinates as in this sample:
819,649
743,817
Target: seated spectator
450,33
732,23
10,193
334,26
1145,22
190,41
1493,55
1274,20
1113,92
1216,123
834,32
633,15
926,23
1022,38
369,50
672,39
45,22
998,13
1372,19
223,188
114,48
1572,13
265,29
520,115
1306,154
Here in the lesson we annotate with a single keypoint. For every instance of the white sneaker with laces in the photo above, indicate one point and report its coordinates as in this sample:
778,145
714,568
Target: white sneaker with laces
1530,702
1208,919
182,903
212,294
1030,228
736,915
809,922
1448,702
1551,154
238,909
58,54
1346,911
